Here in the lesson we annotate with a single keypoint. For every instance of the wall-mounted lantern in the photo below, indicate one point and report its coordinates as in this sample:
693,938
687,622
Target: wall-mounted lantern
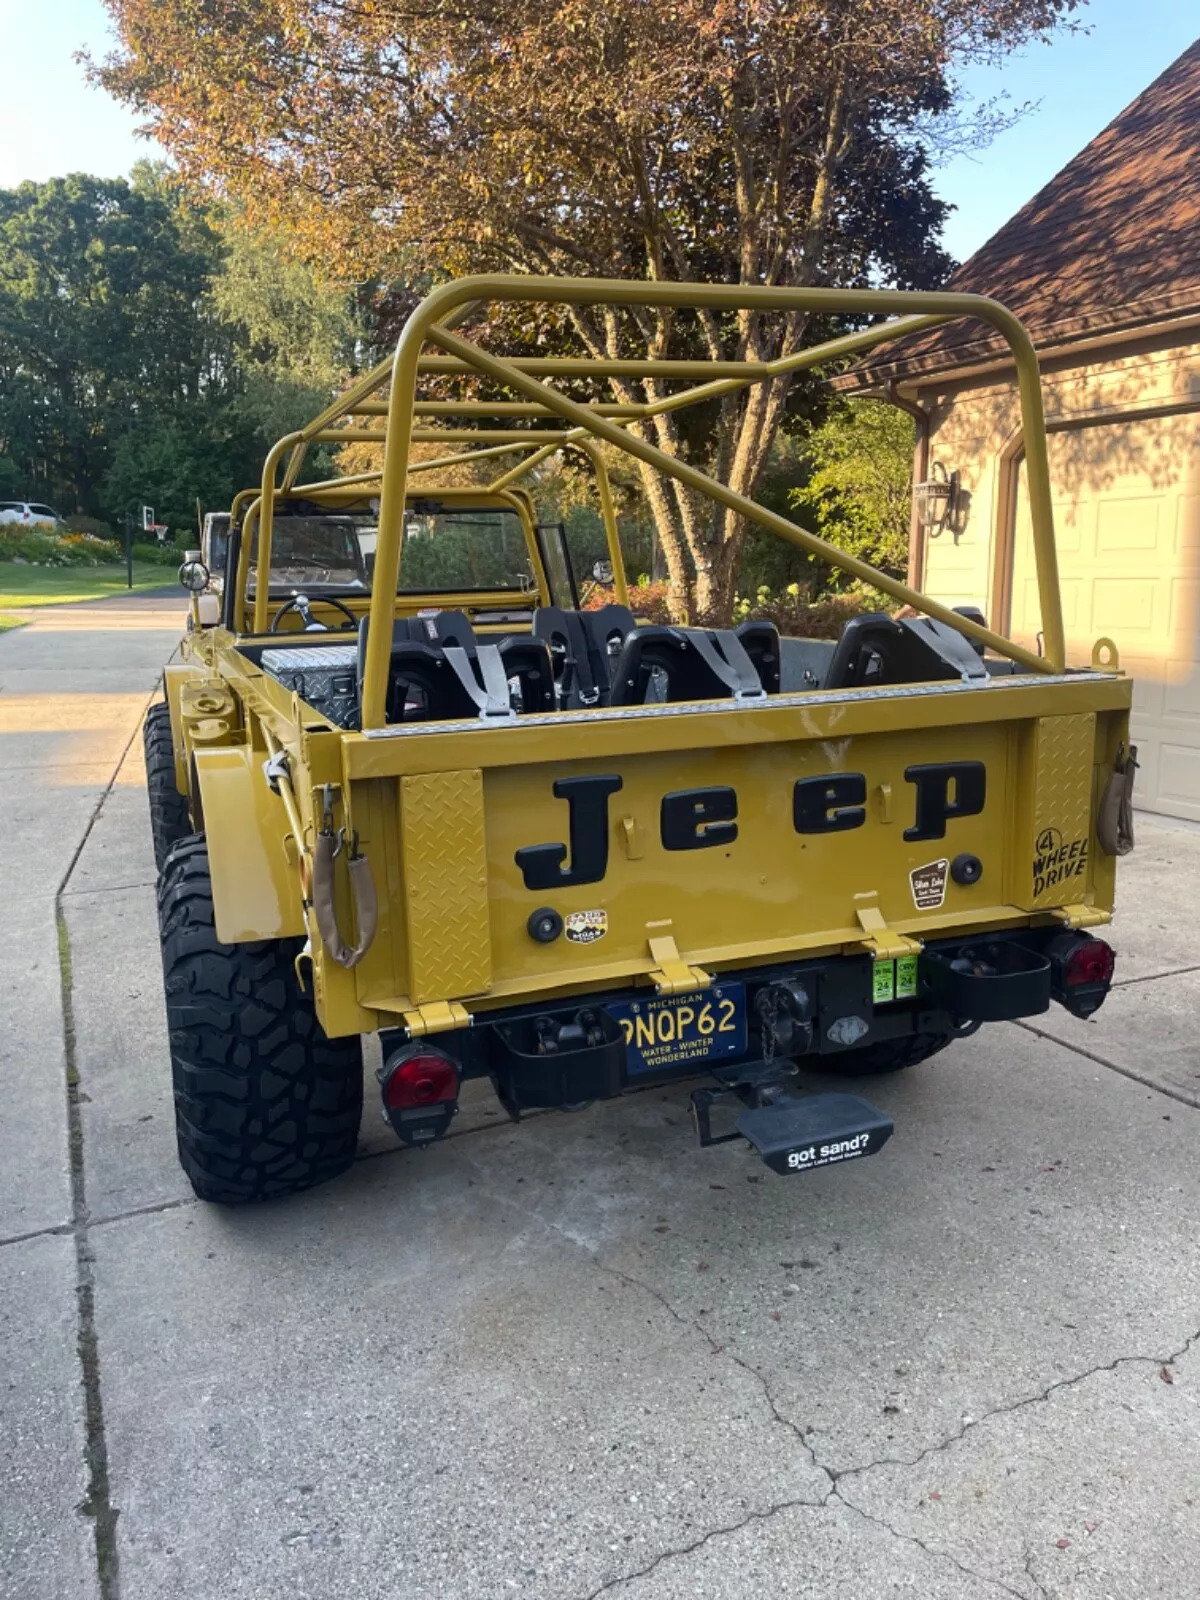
937,500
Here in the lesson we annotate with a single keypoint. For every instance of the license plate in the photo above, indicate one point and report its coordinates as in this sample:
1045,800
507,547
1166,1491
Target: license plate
683,1029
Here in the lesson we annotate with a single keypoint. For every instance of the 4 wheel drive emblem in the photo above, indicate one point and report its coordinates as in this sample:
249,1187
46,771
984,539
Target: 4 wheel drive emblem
585,927
929,884
1056,860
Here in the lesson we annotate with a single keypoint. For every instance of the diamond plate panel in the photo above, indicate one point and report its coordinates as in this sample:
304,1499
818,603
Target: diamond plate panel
1062,811
444,859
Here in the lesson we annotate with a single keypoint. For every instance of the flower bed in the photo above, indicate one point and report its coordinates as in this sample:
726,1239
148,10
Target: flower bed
38,547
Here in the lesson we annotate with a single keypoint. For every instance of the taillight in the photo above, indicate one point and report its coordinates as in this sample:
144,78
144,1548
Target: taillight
422,1080
1090,962
1081,970
420,1093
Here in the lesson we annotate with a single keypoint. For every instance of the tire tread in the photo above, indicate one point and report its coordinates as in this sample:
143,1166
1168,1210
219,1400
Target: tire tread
169,819
265,1103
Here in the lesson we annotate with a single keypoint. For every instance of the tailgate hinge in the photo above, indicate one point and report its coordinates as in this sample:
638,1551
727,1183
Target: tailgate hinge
439,1016
880,940
1083,916
671,974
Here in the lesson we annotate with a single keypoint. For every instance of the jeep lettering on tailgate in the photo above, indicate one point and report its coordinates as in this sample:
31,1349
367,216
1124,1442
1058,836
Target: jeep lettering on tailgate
698,819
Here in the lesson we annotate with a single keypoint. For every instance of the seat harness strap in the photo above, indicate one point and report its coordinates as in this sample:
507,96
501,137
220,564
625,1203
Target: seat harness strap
724,654
492,697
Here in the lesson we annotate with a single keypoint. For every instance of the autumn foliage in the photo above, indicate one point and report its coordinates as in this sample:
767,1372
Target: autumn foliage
755,141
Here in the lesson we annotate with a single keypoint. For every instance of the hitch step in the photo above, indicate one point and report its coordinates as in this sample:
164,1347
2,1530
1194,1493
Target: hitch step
796,1135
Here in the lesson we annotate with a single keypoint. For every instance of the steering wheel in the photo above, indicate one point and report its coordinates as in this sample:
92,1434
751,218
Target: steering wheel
302,605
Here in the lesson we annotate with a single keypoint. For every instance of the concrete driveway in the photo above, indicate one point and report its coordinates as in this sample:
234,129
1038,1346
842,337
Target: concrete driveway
578,1357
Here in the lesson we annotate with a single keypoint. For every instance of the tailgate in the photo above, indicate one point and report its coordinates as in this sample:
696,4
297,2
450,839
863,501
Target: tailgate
749,850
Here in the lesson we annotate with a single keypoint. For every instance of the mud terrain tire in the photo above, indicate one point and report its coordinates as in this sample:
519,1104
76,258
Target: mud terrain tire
265,1103
169,820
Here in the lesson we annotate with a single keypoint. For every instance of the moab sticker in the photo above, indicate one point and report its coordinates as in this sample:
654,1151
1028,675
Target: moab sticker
929,884
585,927
1056,860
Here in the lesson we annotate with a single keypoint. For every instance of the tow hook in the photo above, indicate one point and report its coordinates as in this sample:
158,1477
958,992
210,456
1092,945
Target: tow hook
785,1015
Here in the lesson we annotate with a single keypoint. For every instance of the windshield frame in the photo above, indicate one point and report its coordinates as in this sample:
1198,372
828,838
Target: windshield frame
251,610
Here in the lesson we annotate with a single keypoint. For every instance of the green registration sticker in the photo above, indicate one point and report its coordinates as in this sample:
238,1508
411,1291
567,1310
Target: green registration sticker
906,978
884,982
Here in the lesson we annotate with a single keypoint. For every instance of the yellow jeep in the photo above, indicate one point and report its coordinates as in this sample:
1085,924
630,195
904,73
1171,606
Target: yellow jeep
407,785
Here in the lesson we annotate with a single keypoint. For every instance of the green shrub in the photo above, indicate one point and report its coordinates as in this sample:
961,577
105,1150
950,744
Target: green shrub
798,614
795,611
43,549
859,494
163,555
26,544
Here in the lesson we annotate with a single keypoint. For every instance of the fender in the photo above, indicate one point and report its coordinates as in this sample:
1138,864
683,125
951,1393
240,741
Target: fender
256,892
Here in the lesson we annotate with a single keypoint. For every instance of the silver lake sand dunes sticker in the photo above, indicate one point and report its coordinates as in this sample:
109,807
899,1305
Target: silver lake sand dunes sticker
928,884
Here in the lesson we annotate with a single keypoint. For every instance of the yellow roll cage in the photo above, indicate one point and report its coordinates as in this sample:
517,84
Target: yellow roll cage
588,423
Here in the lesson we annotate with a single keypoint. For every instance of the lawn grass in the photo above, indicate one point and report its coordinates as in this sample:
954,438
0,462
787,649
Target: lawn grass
9,622
22,586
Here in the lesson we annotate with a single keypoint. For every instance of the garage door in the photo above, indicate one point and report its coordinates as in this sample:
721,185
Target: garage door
1127,519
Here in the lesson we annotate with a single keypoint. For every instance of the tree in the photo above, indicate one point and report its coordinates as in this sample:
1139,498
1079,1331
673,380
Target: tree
99,284
297,334
173,462
291,323
858,493
753,141
153,347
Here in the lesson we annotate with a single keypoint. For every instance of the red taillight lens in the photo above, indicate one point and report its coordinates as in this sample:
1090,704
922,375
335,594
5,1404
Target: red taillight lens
424,1080
1091,961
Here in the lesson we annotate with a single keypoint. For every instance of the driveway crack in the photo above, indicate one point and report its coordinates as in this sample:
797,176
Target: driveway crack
720,1349
692,1324
54,1230
679,1551
1154,977
97,1503
1031,1575
1182,1095
937,1554
839,1474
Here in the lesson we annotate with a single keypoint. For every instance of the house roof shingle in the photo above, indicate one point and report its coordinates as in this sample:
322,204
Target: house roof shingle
1112,241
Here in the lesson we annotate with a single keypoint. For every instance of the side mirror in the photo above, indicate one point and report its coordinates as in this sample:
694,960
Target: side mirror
193,574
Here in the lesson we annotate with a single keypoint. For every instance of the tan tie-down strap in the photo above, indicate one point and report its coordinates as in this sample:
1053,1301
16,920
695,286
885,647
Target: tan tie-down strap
362,890
1114,824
